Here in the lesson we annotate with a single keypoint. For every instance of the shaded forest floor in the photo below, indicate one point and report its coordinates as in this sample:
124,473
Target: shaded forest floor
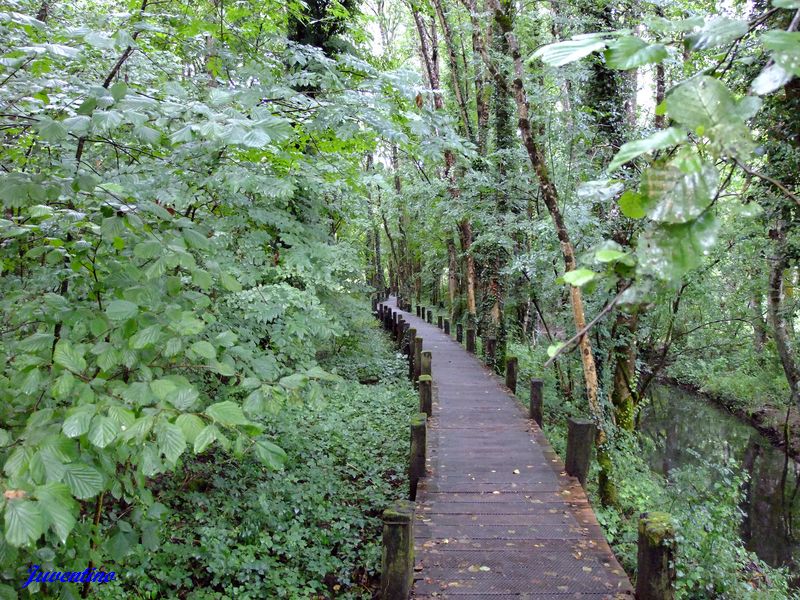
311,530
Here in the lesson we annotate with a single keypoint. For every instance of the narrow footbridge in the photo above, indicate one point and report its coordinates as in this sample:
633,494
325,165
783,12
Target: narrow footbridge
496,516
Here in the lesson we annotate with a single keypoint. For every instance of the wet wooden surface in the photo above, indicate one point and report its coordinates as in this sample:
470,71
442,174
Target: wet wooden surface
496,516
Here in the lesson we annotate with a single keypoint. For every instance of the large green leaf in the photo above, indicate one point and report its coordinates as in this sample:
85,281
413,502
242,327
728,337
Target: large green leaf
68,357
268,453
83,480
658,141
103,431
668,252
121,310
78,420
227,413
772,77
58,508
563,53
679,191
718,31
205,438
171,441
23,521
630,52
785,47
700,103
579,277
191,426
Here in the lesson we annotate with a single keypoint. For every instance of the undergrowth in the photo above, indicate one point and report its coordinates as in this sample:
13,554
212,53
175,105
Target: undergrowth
312,530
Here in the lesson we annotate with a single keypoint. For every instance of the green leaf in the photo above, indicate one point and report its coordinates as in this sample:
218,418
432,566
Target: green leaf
99,40
68,357
171,441
563,53
83,481
146,337
227,413
195,239
121,310
182,397
230,283
631,52
553,349
119,90
700,102
785,47
680,191
772,78
204,349
103,431
50,130
205,438
609,255
579,277
632,205
271,455
719,31
78,420
658,141
191,426
668,252
23,522
59,508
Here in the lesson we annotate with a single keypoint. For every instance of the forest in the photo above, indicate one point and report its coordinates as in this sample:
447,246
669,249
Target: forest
202,203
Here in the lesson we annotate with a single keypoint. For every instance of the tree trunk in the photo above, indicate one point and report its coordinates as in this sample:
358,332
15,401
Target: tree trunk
777,317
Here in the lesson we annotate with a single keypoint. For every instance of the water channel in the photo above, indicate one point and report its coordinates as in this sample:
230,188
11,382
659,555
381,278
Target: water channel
681,424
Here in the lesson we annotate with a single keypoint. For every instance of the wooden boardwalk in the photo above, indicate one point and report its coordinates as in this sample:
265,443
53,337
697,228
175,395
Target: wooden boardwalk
496,516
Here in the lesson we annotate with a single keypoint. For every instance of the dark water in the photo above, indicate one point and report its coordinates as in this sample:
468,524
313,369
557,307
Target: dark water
679,423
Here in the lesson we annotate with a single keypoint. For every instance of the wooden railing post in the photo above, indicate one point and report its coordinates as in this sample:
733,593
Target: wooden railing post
426,394
425,366
459,333
416,466
418,307
470,340
440,322
511,374
447,326
655,575
490,349
429,318
535,409
417,359
397,556
580,439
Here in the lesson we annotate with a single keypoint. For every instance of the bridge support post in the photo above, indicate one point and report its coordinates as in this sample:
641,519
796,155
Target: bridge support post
459,333
580,438
416,466
397,556
471,340
656,557
418,308
440,322
447,326
426,395
511,374
429,318
535,409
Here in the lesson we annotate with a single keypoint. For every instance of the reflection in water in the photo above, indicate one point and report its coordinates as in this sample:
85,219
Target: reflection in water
679,424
